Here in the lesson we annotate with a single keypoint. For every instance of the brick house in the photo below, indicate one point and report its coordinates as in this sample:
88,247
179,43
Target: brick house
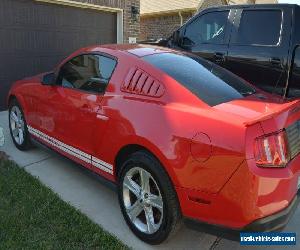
159,18
36,34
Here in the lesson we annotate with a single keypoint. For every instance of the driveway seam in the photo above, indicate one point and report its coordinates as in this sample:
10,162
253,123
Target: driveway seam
30,164
216,243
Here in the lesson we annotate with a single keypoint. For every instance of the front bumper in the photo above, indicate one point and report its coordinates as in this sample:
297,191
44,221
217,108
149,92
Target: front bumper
274,222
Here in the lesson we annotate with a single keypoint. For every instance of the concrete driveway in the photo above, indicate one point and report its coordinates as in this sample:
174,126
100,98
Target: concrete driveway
85,192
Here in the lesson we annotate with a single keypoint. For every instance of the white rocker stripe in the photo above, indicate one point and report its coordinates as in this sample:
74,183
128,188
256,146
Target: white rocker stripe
58,143
71,150
107,165
97,165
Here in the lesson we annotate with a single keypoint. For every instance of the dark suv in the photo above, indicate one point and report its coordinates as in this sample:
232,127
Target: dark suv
257,42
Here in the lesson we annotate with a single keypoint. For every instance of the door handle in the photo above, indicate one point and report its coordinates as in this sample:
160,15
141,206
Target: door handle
276,61
219,57
85,108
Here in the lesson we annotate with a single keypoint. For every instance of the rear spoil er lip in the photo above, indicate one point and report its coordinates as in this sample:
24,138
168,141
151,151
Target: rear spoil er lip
274,222
289,106
102,165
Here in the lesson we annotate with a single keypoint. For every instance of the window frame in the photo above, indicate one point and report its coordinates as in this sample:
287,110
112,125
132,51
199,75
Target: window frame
290,77
238,20
199,17
210,70
87,54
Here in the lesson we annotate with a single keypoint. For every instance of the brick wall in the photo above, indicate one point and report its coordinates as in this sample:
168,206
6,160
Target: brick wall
131,28
211,3
161,26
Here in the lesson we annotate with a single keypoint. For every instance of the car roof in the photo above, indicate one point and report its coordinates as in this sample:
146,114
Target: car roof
138,50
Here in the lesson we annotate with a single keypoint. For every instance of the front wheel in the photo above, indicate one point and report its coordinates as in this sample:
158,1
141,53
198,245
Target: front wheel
147,199
18,126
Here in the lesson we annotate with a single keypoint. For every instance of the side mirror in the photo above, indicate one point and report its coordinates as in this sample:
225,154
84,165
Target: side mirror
185,41
49,79
162,42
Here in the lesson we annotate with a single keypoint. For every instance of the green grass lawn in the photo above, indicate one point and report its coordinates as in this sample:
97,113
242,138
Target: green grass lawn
33,217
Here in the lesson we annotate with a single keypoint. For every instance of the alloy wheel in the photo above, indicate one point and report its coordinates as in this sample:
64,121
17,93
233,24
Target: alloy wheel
17,125
143,200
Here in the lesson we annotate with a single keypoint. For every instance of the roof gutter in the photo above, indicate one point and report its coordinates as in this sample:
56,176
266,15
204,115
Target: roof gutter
168,12
181,18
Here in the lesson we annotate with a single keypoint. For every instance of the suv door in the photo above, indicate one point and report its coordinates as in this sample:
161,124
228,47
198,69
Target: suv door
208,35
259,47
294,83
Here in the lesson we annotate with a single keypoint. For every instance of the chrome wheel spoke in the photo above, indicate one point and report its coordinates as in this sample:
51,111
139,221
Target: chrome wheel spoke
21,136
151,227
15,132
145,177
22,125
135,210
155,201
19,115
132,186
14,117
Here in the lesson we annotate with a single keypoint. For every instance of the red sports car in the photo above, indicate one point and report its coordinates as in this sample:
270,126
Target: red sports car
181,137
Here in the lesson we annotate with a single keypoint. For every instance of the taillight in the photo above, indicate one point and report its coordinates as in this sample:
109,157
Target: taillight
272,150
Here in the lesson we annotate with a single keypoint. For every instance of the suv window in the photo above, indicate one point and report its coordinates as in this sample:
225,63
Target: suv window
208,28
294,86
209,82
87,72
259,27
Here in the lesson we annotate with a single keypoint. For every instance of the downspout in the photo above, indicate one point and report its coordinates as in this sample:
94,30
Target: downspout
181,18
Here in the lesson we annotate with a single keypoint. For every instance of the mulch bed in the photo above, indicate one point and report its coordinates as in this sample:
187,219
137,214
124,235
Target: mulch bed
3,156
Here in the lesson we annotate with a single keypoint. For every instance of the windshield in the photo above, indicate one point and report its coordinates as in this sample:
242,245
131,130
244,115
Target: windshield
209,82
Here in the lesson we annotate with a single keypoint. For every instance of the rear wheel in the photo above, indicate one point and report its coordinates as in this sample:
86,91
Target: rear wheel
147,199
18,126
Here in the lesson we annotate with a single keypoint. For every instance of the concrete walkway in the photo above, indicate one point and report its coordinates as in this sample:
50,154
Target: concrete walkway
85,192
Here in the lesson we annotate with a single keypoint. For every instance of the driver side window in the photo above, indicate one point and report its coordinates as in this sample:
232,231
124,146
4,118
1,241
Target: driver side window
87,72
208,28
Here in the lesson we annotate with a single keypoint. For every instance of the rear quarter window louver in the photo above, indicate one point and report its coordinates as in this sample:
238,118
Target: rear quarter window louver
139,82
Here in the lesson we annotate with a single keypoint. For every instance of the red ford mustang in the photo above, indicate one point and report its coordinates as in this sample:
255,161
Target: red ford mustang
179,136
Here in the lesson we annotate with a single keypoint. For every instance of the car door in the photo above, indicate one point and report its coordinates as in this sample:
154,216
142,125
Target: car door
208,35
71,107
259,47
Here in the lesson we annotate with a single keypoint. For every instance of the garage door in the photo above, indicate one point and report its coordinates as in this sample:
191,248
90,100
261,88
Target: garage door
34,36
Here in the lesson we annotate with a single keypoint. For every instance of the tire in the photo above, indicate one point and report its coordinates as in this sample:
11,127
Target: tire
158,196
18,126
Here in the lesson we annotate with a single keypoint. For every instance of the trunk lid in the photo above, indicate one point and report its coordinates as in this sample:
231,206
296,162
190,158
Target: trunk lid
271,114
258,108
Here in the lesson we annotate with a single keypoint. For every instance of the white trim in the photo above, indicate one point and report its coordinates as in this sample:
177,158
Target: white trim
72,151
71,3
98,161
102,167
120,27
81,5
